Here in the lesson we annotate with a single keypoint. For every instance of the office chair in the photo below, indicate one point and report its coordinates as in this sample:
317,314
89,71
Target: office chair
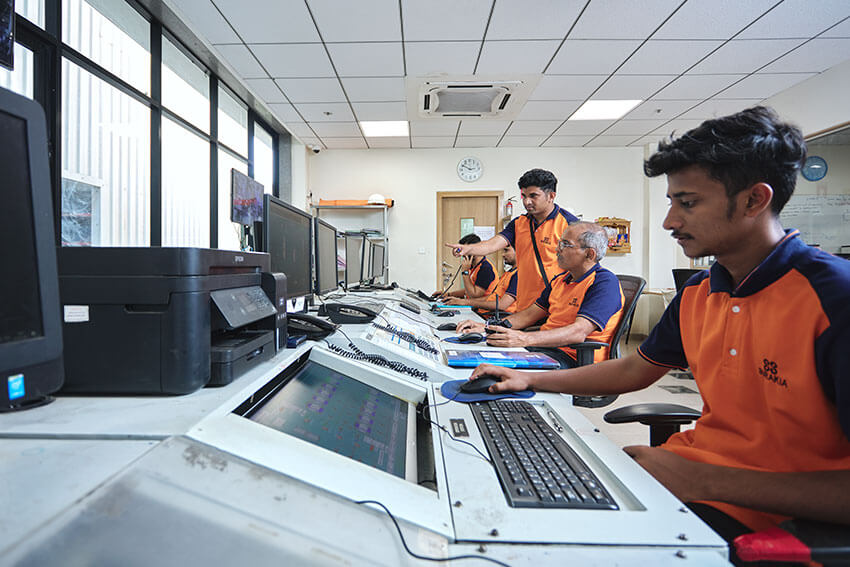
682,275
632,288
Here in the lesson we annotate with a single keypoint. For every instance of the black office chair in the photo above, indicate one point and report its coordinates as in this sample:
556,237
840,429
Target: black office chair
632,288
682,275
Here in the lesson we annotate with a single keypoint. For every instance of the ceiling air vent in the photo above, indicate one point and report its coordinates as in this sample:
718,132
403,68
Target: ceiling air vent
467,98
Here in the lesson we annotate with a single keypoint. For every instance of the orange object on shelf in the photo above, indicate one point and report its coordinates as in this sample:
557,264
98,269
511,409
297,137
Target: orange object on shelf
350,202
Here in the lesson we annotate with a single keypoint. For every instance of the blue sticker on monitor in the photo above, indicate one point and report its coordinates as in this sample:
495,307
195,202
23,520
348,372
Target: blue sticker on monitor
16,386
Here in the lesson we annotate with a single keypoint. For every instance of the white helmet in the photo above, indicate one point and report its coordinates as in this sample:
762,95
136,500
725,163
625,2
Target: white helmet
376,199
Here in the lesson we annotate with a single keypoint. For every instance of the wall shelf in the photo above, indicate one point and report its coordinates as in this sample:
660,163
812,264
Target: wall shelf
619,234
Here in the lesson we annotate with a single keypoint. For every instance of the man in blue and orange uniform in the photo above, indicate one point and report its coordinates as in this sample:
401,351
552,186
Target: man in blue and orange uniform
765,332
479,277
534,236
583,302
503,294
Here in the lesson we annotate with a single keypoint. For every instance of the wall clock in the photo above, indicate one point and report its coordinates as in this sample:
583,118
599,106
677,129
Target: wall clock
469,169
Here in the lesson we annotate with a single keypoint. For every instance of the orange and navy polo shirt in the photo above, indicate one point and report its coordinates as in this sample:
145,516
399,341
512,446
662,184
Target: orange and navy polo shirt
596,296
772,363
483,275
518,233
505,286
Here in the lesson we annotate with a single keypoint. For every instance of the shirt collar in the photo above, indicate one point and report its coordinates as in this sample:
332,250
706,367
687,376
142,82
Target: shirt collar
568,277
551,215
773,267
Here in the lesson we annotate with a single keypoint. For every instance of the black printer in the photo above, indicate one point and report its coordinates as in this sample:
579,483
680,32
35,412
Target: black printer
163,320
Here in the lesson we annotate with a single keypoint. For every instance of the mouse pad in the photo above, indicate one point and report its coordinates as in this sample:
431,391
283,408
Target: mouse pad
457,340
451,390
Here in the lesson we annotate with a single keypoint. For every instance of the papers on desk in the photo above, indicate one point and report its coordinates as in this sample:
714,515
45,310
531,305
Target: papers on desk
509,359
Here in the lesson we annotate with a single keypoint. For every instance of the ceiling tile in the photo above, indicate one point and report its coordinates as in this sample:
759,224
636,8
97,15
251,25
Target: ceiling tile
566,87
444,20
719,107
436,127
300,129
270,21
433,142
206,21
483,127
798,18
583,127
632,87
815,56
505,57
367,59
660,109
591,56
634,128
712,19
312,90
611,141
521,141
438,57
374,89
266,89
344,143
566,141
667,57
380,110
286,112
632,20
650,140
744,56
336,129
548,109
697,87
549,19
389,142
477,141
308,141
764,85
840,30
242,61
364,20
533,127
676,128
294,60
339,112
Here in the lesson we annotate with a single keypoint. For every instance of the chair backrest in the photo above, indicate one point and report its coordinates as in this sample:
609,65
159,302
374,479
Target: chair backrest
632,288
681,275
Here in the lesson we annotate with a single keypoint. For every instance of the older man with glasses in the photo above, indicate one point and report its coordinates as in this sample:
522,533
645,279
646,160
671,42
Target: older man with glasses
584,302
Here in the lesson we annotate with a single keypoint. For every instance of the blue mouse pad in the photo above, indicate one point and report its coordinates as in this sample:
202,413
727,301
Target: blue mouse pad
456,340
451,390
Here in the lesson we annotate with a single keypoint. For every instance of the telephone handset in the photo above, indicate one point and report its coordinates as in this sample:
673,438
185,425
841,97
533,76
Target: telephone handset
314,328
348,313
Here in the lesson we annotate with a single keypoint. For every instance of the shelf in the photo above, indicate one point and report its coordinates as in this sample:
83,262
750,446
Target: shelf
619,234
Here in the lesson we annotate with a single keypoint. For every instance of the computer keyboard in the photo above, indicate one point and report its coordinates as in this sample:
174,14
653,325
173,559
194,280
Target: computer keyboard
535,465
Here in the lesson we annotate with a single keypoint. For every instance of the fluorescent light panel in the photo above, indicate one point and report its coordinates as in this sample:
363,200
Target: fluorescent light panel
604,109
384,128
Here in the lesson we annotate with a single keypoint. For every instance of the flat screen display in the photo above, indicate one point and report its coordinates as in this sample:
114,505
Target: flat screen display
329,409
353,259
246,197
286,237
376,270
20,302
326,270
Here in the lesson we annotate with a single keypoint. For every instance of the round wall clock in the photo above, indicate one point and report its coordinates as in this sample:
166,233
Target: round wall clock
469,169
814,169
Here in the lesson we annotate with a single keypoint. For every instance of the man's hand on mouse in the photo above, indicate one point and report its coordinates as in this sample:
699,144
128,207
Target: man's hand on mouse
470,326
509,380
502,337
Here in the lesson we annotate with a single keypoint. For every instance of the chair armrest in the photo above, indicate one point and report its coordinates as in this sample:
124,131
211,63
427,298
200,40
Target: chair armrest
801,541
663,419
585,351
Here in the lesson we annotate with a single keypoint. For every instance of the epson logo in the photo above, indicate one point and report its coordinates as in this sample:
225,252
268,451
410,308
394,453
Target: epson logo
238,259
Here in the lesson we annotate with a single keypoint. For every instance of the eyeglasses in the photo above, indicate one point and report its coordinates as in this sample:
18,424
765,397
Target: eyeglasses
564,244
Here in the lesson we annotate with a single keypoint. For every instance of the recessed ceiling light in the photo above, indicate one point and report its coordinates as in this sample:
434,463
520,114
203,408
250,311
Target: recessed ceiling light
604,109
384,128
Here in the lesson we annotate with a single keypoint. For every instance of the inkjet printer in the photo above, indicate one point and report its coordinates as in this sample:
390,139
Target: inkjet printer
164,320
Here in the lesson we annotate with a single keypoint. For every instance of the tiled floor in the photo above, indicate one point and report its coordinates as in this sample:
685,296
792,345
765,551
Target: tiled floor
635,433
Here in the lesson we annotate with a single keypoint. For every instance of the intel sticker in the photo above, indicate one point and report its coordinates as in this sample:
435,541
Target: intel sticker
16,386
76,313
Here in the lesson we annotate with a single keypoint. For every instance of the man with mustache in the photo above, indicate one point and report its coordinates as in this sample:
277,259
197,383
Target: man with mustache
765,332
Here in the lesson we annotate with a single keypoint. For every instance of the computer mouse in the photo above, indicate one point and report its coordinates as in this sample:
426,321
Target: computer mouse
447,327
480,385
447,313
470,338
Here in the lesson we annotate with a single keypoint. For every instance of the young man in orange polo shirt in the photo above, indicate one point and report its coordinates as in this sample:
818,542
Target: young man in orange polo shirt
504,290
765,333
479,276
583,302
534,236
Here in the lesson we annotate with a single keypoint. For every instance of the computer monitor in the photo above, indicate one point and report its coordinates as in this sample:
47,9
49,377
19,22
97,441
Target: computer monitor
353,258
326,269
376,267
30,321
286,237
7,33
246,199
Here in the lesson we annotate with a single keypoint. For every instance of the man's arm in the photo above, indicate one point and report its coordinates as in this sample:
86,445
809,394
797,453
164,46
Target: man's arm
816,495
575,332
489,304
479,249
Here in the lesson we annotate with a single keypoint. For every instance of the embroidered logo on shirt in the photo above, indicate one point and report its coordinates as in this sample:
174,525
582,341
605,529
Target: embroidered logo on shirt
545,240
574,302
770,371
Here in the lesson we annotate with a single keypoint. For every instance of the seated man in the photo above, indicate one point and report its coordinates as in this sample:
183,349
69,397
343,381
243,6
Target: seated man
583,303
479,277
765,332
504,290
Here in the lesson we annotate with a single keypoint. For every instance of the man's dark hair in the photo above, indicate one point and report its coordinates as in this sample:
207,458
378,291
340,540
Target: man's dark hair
470,238
546,180
739,150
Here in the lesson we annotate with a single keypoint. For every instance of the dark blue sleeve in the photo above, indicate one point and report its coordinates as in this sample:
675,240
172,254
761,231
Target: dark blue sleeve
511,286
543,300
571,218
509,233
663,346
602,299
485,275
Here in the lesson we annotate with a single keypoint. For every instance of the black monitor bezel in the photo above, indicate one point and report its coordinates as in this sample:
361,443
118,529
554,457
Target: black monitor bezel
316,256
348,261
272,200
372,275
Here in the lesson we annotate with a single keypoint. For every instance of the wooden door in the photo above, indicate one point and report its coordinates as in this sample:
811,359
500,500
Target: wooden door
483,208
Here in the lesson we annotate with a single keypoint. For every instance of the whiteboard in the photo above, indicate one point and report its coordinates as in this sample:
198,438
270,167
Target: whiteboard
822,219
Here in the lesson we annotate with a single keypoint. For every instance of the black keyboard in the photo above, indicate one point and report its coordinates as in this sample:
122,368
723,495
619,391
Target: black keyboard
535,465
